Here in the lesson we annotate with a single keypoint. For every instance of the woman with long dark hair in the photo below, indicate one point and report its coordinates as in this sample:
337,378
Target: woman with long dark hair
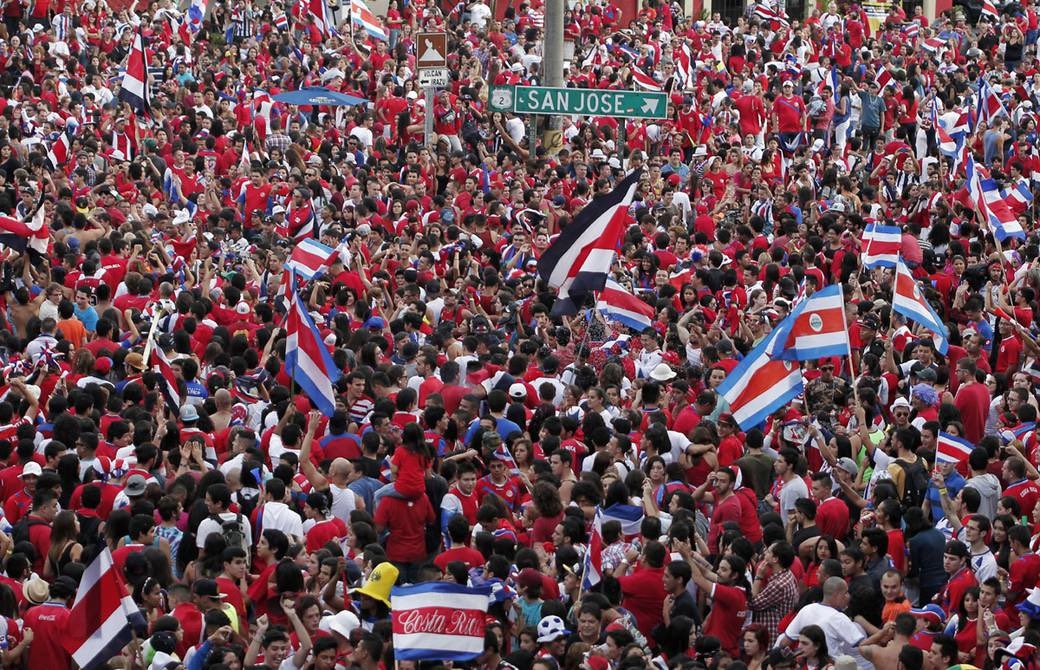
812,650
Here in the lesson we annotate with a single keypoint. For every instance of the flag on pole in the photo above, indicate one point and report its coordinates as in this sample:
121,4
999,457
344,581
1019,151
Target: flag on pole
363,17
989,10
908,300
951,449
769,14
684,64
884,78
103,617
882,245
760,385
310,258
307,359
438,621
592,565
578,261
245,164
318,10
990,104
990,203
643,80
134,87
947,144
60,151
617,304
196,14
167,378
816,328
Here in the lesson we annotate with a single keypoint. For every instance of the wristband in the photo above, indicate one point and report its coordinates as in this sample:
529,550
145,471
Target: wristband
943,491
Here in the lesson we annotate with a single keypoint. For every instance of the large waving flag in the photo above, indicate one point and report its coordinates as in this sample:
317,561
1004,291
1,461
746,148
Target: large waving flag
196,14
60,151
307,359
438,621
769,14
134,88
760,384
947,144
816,328
629,516
1018,196
578,261
168,383
684,66
310,258
318,10
22,235
617,304
643,80
882,245
103,617
990,104
884,78
990,203
908,300
362,16
951,449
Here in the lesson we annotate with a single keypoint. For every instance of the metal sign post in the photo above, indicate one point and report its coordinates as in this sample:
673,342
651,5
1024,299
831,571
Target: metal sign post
432,66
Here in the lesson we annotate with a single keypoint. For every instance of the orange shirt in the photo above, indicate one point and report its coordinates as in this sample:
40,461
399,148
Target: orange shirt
894,608
73,331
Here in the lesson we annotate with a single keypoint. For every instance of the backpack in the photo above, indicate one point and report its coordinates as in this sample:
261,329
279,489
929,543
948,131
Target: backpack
915,483
20,531
232,532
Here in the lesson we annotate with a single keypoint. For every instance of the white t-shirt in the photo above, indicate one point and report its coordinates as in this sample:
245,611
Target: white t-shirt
842,633
210,525
344,501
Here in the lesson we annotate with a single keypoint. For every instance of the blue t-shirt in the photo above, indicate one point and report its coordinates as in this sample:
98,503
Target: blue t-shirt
88,316
954,483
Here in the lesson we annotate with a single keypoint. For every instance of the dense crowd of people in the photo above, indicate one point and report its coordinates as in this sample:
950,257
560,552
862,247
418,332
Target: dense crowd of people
589,473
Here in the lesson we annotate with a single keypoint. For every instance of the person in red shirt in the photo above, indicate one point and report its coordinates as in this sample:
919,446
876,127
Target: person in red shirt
955,563
832,515
458,534
1024,569
972,401
326,528
1024,490
1009,355
731,443
406,520
729,596
231,580
789,119
642,592
44,509
254,196
49,623
727,506
19,504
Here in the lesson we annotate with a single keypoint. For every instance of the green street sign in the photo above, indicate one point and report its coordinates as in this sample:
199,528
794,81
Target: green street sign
583,101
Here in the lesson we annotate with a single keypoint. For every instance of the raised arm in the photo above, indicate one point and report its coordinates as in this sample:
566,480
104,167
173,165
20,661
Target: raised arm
316,479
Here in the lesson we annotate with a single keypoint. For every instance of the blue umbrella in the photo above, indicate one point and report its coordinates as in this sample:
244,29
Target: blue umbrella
319,95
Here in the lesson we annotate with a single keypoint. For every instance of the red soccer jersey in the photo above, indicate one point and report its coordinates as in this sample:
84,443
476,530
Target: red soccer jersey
728,613
509,491
406,521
